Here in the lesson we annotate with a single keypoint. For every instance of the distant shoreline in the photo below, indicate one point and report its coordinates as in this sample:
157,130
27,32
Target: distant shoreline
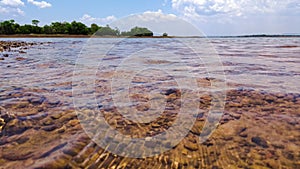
91,36
257,36
44,36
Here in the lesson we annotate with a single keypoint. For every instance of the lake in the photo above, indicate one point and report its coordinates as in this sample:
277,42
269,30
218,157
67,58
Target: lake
51,98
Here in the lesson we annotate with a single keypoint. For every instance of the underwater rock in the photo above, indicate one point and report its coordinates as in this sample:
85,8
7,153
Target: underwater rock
260,142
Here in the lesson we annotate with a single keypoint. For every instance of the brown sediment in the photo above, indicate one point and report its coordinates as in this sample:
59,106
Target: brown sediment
8,45
44,36
258,130
76,36
15,49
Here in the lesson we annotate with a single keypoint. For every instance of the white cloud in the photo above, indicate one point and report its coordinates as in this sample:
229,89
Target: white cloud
12,2
88,20
3,10
234,17
158,23
20,12
156,16
9,8
11,11
41,4
229,7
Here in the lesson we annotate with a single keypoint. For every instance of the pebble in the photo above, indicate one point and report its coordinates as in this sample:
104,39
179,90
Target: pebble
271,163
171,91
67,117
244,135
2,123
191,146
61,130
14,127
50,128
36,100
20,59
73,123
53,102
235,116
71,151
46,154
260,142
48,122
208,144
289,155
22,105
278,146
22,140
155,125
28,162
20,155
56,116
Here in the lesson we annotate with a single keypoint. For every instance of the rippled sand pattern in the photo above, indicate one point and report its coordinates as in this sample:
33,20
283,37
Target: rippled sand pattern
259,129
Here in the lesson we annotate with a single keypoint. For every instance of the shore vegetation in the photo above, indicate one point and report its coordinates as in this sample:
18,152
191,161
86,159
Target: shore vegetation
10,27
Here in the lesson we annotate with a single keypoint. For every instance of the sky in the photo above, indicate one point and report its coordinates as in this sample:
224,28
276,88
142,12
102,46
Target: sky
212,17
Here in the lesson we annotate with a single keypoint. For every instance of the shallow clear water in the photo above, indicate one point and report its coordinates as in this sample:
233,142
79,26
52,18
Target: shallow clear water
270,64
257,129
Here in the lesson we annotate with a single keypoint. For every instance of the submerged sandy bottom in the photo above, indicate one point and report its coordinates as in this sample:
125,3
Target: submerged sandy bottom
257,130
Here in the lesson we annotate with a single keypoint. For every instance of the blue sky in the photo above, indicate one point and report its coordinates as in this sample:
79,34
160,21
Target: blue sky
213,17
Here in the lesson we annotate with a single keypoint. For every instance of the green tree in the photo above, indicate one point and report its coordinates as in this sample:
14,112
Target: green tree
94,28
35,29
56,27
35,22
8,27
138,31
25,29
107,31
76,28
66,27
47,29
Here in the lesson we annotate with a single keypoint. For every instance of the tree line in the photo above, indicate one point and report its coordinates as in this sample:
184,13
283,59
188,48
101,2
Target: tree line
10,27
